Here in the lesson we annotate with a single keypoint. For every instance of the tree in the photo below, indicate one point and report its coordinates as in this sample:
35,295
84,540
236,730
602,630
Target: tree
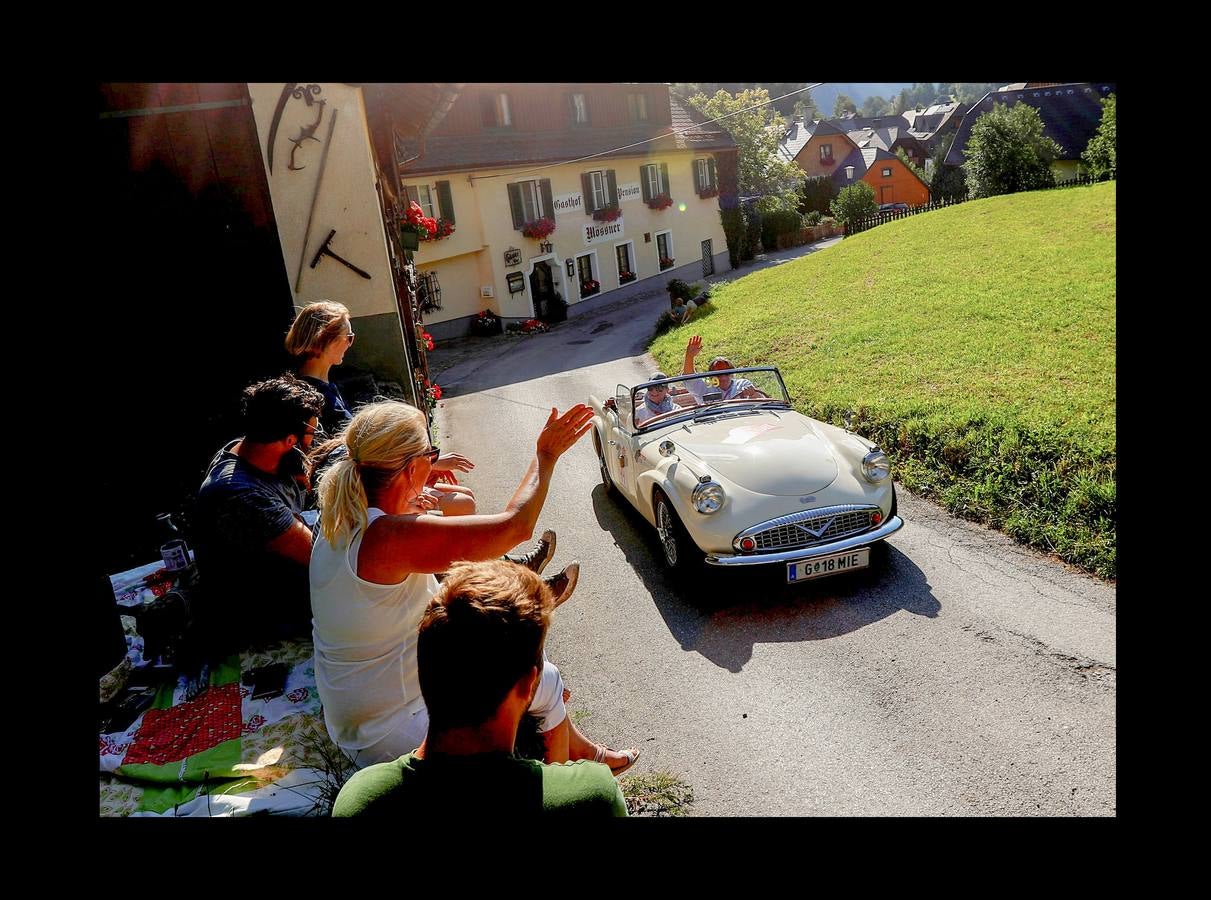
855,202
875,105
805,108
902,155
1008,152
843,105
761,171
1101,155
946,182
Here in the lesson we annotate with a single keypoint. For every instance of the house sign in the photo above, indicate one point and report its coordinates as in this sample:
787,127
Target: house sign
512,257
567,204
602,231
630,191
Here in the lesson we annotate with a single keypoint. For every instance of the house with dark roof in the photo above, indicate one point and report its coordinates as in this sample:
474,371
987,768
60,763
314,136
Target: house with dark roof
893,182
1070,112
891,138
816,146
585,191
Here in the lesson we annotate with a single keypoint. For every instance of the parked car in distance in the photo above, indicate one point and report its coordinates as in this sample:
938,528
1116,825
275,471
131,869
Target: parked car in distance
745,481
892,207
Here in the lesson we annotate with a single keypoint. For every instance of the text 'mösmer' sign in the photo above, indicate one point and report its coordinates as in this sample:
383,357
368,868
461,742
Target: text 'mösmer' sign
598,232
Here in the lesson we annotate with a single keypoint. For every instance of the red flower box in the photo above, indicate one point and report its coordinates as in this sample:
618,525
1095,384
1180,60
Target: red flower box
608,215
660,201
539,229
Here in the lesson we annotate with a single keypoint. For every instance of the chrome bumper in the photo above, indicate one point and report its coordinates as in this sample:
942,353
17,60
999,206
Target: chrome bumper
888,528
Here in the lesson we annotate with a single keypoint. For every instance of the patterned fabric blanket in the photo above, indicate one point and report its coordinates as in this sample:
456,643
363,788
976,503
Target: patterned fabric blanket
223,753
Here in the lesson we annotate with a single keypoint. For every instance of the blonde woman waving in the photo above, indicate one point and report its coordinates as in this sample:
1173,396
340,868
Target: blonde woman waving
372,575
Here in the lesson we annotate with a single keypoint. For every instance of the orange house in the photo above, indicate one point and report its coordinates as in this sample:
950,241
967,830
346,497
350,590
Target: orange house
893,181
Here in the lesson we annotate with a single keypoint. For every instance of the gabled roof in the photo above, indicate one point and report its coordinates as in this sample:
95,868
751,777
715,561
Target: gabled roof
1070,113
795,136
463,152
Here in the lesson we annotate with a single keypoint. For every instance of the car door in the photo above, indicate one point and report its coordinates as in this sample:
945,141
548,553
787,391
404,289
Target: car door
621,449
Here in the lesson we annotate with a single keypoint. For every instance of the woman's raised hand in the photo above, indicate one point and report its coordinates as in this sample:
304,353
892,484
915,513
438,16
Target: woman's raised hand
694,347
561,432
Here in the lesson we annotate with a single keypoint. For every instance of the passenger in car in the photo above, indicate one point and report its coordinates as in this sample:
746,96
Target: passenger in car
731,387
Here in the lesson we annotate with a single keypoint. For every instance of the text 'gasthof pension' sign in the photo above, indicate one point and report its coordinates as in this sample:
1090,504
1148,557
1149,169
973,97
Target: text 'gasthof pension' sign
566,204
603,231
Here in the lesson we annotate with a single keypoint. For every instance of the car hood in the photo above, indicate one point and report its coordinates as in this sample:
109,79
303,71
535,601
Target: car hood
780,454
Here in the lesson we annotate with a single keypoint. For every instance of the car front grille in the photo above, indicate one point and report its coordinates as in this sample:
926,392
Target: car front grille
791,532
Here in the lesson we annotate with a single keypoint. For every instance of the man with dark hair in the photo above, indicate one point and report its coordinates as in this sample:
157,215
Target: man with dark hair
479,659
253,547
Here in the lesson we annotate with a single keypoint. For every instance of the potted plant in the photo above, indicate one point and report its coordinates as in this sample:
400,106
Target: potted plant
660,201
416,227
709,191
666,262
589,288
539,229
609,214
625,276
486,322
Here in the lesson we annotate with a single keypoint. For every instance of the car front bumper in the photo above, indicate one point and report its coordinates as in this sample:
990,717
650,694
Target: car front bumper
888,528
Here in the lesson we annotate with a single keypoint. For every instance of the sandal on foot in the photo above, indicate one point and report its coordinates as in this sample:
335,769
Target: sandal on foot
630,756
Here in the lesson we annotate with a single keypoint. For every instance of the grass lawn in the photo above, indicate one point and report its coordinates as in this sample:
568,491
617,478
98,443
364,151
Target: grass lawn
975,343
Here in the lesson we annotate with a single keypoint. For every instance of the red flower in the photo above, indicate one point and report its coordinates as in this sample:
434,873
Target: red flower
539,229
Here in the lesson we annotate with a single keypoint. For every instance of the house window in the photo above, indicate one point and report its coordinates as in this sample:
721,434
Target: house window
637,105
601,194
580,109
664,249
887,173
826,153
495,110
705,176
422,196
589,285
626,269
531,201
651,177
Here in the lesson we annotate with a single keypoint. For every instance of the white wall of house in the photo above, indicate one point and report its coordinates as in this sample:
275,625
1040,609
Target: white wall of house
484,226
346,200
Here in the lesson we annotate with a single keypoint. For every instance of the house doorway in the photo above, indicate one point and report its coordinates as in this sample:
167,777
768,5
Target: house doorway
542,292
708,259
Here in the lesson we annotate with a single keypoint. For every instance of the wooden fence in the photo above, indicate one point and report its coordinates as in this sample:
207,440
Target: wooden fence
870,222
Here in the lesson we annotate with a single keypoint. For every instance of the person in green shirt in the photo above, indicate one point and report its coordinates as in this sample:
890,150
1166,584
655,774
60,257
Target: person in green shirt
479,658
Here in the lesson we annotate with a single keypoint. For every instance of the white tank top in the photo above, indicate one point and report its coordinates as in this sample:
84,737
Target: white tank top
365,648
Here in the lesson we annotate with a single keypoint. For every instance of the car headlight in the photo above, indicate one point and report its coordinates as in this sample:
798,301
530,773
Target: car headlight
707,497
876,466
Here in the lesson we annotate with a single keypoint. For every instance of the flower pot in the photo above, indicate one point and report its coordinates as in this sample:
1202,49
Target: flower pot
409,240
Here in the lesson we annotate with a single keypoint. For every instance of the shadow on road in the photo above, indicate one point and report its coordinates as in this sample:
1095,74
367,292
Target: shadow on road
730,612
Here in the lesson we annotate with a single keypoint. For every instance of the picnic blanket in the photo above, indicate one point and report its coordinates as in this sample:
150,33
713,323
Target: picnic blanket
223,753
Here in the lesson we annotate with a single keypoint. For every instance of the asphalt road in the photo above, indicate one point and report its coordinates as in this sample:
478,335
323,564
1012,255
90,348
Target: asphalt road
964,676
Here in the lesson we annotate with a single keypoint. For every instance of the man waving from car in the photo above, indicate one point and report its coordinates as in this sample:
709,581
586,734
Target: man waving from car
732,388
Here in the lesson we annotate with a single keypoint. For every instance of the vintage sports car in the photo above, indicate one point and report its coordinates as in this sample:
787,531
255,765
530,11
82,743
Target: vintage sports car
730,475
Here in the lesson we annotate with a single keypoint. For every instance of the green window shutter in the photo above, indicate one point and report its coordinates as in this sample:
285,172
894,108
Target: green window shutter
515,205
445,201
710,171
644,183
664,179
611,190
548,205
697,180
586,185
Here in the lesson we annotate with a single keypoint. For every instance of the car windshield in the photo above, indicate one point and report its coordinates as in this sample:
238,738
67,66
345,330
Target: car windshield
718,392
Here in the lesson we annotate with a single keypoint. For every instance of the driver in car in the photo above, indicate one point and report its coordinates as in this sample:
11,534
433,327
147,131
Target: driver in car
732,388
656,401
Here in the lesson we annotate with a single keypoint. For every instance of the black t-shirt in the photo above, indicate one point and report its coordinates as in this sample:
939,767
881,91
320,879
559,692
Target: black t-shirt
248,593
335,413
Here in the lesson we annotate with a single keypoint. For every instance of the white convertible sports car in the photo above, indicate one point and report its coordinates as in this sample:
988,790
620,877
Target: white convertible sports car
730,474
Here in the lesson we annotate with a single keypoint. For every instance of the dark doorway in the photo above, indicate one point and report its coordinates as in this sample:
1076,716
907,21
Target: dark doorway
542,289
190,303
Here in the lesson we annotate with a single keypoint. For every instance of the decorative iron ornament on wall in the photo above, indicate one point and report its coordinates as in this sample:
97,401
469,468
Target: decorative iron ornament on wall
428,292
307,93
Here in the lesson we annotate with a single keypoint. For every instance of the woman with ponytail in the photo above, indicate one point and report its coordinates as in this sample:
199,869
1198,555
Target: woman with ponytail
373,572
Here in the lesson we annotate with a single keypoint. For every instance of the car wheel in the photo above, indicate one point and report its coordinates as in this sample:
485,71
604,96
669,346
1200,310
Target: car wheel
606,481
680,553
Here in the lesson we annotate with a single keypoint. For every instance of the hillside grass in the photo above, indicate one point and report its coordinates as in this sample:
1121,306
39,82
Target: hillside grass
975,344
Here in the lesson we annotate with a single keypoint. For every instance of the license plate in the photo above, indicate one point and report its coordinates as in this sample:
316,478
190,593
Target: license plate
833,564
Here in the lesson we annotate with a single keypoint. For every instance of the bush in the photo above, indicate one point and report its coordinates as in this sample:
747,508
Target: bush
855,202
678,288
812,218
815,194
1008,152
1101,154
779,222
733,232
752,232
